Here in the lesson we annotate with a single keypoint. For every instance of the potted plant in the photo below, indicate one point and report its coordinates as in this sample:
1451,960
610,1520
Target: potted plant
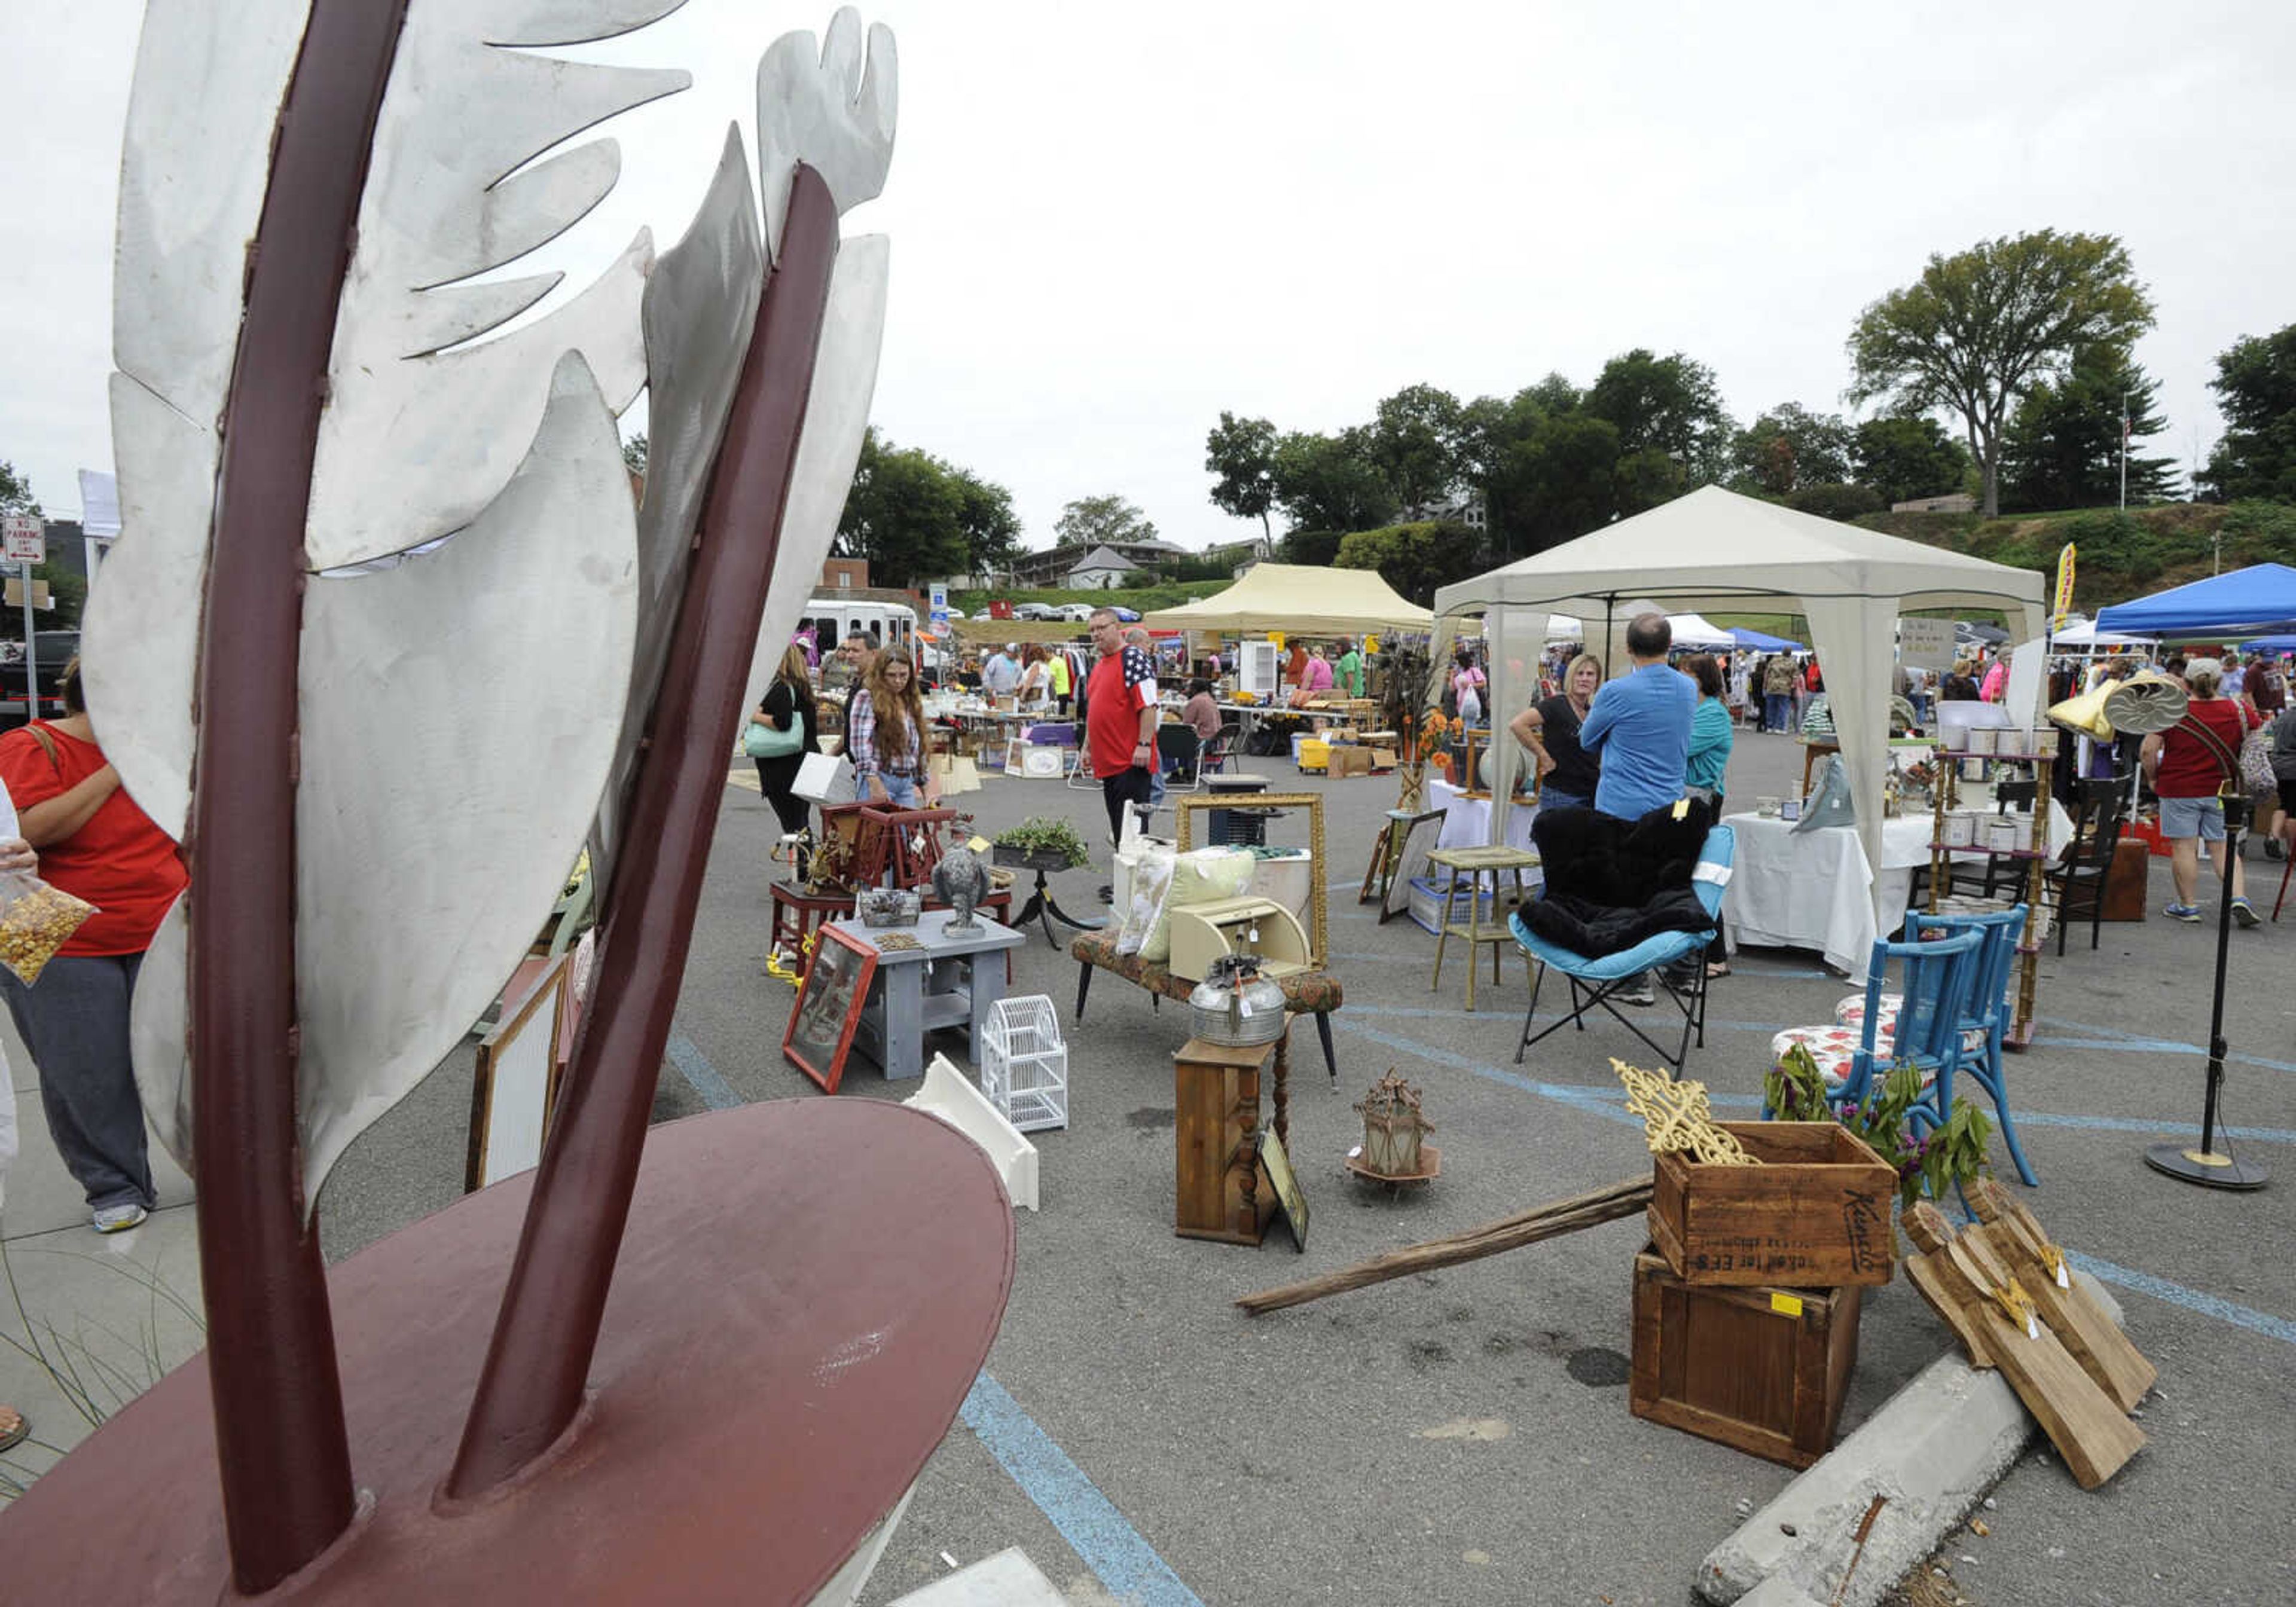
1932,1160
1042,842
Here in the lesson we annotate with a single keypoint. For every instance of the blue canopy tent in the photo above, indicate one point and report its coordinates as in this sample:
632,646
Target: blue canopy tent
1764,643
2270,644
2257,601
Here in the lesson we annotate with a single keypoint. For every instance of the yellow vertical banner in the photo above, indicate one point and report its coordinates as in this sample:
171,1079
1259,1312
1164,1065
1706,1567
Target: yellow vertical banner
2064,602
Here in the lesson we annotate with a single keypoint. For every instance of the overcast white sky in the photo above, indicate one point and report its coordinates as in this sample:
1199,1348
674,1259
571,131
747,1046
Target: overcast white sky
1109,224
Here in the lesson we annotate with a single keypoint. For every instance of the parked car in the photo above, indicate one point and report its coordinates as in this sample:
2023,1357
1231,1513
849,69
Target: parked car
1128,615
956,613
54,649
1034,611
1076,613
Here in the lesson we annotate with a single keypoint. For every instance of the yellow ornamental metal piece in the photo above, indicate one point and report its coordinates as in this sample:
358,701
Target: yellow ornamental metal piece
2013,1299
1678,1117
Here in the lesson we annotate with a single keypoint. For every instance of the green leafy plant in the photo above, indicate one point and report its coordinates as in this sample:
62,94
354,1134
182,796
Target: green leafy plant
1930,1160
1046,834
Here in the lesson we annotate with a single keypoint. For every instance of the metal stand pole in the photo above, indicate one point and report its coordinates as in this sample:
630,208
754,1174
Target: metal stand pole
2208,1165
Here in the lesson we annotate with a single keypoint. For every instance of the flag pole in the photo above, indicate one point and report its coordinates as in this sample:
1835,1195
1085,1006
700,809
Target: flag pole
2124,452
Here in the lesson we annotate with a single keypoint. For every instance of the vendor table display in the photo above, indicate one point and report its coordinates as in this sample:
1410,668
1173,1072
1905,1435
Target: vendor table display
2029,860
1815,890
1467,820
1486,922
799,913
927,977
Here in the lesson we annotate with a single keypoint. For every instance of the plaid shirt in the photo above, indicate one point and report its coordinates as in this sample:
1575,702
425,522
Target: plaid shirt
861,743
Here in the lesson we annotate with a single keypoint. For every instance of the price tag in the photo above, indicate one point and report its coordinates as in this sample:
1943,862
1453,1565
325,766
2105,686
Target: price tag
979,845
1785,1305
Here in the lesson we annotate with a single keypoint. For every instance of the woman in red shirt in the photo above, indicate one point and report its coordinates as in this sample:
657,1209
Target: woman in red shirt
95,844
2186,763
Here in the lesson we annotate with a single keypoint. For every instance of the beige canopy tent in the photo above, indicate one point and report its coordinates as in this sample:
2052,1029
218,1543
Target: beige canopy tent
1715,550
1300,598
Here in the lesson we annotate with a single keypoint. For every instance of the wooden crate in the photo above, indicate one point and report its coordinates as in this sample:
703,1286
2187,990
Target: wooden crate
1761,1370
1816,1212
1216,1188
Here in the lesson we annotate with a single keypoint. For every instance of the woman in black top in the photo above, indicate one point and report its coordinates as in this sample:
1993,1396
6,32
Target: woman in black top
789,697
1568,774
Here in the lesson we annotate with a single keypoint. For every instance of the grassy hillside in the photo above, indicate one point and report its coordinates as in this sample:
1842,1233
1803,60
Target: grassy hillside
2121,555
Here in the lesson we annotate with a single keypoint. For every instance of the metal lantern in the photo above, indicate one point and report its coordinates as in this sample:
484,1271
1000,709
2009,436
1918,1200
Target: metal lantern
1393,1125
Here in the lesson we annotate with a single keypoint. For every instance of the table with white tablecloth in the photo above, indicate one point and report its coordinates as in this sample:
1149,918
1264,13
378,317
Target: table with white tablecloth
1467,821
1814,889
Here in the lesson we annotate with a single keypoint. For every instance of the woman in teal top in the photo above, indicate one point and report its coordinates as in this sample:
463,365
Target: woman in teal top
1710,732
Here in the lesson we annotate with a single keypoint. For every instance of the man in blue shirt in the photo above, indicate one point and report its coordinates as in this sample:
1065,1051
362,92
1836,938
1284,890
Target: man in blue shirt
1639,727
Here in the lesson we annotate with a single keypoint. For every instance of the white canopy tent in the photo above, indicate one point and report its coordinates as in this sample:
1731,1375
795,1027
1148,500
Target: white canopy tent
1714,549
1303,598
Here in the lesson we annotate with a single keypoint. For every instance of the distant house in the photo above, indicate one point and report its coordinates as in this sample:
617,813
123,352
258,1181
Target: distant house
1053,566
1470,510
1960,502
844,575
1101,570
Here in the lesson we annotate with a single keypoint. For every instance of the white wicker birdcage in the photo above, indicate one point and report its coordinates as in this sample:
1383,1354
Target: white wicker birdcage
1024,1064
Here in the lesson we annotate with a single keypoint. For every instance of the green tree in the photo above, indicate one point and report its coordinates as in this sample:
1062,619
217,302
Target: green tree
1905,457
992,529
1978,330
1559,481
1790,446
1414,441
2062,448
1090,520
1670,404
634,455
1316,548
1326,482
1241,452
1416,559
905,515
2256,389
16,496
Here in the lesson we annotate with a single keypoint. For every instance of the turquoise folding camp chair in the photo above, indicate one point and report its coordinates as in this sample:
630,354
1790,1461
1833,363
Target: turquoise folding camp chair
1596,982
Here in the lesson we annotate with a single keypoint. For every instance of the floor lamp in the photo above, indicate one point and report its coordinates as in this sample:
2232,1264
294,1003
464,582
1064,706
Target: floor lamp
2207,1165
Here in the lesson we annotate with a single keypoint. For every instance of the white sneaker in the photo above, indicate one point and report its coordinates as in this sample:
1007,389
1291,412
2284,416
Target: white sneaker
118,1219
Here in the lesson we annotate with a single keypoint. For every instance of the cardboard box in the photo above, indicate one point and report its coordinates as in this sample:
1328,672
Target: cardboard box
1349,761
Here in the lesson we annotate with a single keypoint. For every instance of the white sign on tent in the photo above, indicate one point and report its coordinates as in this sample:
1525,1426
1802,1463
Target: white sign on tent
1925,643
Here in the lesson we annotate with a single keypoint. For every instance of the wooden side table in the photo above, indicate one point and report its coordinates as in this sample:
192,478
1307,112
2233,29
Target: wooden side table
1474,863
939,983
1218,1191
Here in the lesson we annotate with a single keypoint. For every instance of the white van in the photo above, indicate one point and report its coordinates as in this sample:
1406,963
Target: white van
831,619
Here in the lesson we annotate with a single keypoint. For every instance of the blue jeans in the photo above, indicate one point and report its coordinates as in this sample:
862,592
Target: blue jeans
1554,798
902,790
1777,711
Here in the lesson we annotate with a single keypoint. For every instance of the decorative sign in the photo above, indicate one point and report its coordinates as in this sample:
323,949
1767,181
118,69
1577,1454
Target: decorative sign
1925,643
27,537
820,1031
1676,1116
1277,1164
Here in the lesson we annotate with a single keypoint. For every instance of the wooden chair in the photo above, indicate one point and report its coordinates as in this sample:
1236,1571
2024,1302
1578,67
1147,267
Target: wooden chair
2076,883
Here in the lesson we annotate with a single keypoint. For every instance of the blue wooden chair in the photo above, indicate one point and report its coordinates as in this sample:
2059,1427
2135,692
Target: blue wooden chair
1594,982
1985,1018
1925,1029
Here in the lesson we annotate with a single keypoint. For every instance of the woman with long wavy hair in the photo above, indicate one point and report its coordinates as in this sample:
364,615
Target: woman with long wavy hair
885,736
787,706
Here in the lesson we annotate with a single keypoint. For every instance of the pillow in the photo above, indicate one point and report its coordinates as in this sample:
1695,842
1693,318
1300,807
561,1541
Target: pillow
1203,876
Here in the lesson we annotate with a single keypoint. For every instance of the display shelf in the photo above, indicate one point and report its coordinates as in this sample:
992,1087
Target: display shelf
2019,1033
1978,847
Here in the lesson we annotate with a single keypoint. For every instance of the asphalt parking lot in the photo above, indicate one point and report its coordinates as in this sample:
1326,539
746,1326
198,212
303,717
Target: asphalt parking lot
1463,1436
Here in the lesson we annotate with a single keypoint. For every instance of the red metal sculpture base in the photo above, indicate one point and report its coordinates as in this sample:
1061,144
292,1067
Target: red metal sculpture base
804,1295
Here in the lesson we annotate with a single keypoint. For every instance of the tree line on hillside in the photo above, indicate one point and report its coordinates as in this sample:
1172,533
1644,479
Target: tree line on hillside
2024,341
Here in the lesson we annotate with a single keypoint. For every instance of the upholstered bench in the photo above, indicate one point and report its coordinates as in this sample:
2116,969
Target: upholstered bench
1316,993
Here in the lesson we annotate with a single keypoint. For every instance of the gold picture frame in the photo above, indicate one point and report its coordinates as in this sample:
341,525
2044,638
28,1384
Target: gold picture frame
1271,802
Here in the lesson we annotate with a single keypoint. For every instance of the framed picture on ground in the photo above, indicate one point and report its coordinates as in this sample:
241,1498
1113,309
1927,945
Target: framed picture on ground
1417,839
829,1000
515,1091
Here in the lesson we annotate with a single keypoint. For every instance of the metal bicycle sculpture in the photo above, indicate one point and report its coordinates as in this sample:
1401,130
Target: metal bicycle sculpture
378,578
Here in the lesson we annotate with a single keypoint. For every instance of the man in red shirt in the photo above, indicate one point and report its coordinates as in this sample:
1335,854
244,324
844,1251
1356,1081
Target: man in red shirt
1120,716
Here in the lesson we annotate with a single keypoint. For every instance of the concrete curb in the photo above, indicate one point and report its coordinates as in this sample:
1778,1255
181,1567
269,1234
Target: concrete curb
1934,1449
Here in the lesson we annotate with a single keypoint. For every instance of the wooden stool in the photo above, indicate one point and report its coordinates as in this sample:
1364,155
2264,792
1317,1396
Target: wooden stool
1476,864
1218,1190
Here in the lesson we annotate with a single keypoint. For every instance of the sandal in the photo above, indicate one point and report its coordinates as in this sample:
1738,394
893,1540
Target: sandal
1717,968
12,1428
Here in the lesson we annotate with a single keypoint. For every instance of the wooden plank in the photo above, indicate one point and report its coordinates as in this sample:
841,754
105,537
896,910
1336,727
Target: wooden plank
2086,1425
2094,1340
1930,1282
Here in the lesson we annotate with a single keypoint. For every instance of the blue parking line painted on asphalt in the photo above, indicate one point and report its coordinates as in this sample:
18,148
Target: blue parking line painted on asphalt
1594,1100
1125,1563
695,1066
2191,1300
2115,1038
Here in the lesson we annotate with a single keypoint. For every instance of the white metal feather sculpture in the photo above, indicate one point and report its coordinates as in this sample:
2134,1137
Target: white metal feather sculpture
449,737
